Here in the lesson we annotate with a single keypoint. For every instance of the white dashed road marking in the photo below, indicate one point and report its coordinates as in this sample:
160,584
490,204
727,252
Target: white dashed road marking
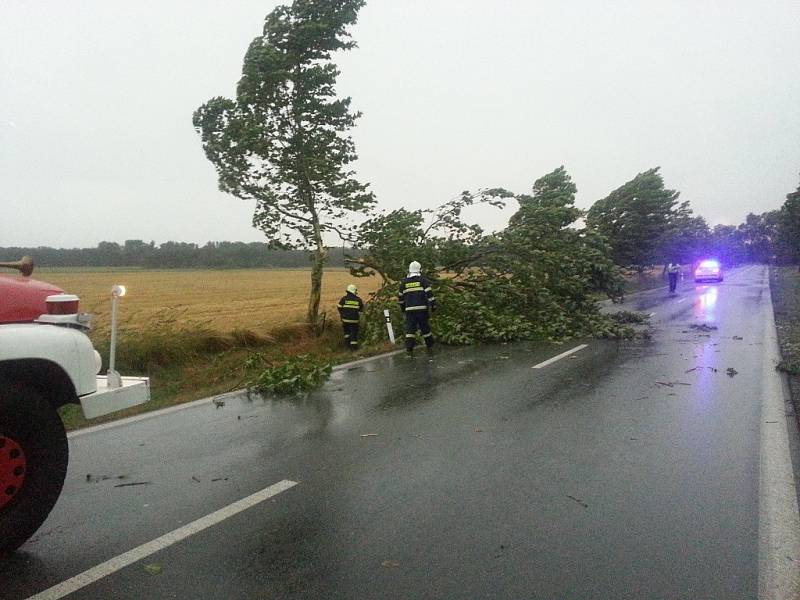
559,357
131,556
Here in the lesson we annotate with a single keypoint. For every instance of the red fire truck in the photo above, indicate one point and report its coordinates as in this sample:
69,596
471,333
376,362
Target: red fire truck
46,361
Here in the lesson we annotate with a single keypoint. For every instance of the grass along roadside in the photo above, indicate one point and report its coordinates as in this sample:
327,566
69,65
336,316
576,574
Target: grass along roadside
193,332
185,364
785,288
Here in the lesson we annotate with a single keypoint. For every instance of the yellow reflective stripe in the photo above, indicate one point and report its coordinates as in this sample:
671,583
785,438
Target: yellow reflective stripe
411,335
349,320
352,303
414,290
428,289
427,334
410,308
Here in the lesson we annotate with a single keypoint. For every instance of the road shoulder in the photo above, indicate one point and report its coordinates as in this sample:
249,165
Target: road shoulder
779,521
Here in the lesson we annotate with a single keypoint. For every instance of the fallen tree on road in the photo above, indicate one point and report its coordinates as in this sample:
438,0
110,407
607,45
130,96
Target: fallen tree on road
537,279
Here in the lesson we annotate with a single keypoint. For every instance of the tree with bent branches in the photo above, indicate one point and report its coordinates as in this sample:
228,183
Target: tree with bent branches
283,140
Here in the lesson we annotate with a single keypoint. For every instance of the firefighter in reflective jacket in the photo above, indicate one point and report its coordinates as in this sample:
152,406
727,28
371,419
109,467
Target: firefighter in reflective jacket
416,301
350,307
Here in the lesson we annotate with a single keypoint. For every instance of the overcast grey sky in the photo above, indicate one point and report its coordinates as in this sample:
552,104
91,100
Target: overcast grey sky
96,140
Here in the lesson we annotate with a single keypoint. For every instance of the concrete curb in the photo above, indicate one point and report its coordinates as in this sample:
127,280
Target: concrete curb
778,516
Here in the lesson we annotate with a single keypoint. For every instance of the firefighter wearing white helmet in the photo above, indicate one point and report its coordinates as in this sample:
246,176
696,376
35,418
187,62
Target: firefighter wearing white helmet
417,302
350,308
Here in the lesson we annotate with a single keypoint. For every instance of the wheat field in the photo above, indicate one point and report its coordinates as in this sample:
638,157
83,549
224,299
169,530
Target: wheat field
222,300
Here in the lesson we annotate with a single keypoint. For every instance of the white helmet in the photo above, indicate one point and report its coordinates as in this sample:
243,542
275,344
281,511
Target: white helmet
414,268
352,289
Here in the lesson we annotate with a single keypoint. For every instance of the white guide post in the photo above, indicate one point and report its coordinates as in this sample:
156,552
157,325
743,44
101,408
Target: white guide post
114,379
389,327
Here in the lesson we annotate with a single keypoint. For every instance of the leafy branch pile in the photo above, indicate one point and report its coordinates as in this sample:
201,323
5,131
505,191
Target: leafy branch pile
297,374
630,317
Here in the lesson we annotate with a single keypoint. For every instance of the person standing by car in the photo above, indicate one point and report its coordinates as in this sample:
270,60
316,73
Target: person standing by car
417,302
672,270
350,307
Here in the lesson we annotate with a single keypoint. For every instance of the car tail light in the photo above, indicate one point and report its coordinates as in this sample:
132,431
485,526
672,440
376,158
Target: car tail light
710,264
62,304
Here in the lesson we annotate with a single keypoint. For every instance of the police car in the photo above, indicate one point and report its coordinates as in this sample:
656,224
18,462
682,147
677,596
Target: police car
708,270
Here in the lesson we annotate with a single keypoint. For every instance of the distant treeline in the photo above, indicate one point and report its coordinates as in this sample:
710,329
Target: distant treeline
171,255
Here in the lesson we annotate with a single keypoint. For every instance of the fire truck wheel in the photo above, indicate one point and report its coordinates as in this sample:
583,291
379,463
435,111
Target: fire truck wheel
33,463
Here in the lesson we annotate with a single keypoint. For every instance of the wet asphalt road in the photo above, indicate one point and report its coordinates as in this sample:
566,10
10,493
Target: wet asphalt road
486,479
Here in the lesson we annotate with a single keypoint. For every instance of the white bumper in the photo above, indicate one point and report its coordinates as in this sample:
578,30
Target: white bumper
134,391
68,348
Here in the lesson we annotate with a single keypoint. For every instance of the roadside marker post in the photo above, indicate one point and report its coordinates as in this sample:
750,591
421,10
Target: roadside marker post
389,327
114,378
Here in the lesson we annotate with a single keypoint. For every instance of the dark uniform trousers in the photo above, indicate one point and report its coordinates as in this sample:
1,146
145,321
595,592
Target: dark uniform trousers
418,320
350,334
673,281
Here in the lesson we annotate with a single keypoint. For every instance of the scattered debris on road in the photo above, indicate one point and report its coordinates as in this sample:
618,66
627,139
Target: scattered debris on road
219,403
478,430
195,479
578,500
363,435
664,383
98,478
731,371
700,368
220,479
736,337
390,563
152,569
133,483
703,327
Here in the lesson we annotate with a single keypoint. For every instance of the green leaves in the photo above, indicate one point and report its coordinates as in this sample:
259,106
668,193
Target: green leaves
283,142
635,218
537,279
787,240
298,374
